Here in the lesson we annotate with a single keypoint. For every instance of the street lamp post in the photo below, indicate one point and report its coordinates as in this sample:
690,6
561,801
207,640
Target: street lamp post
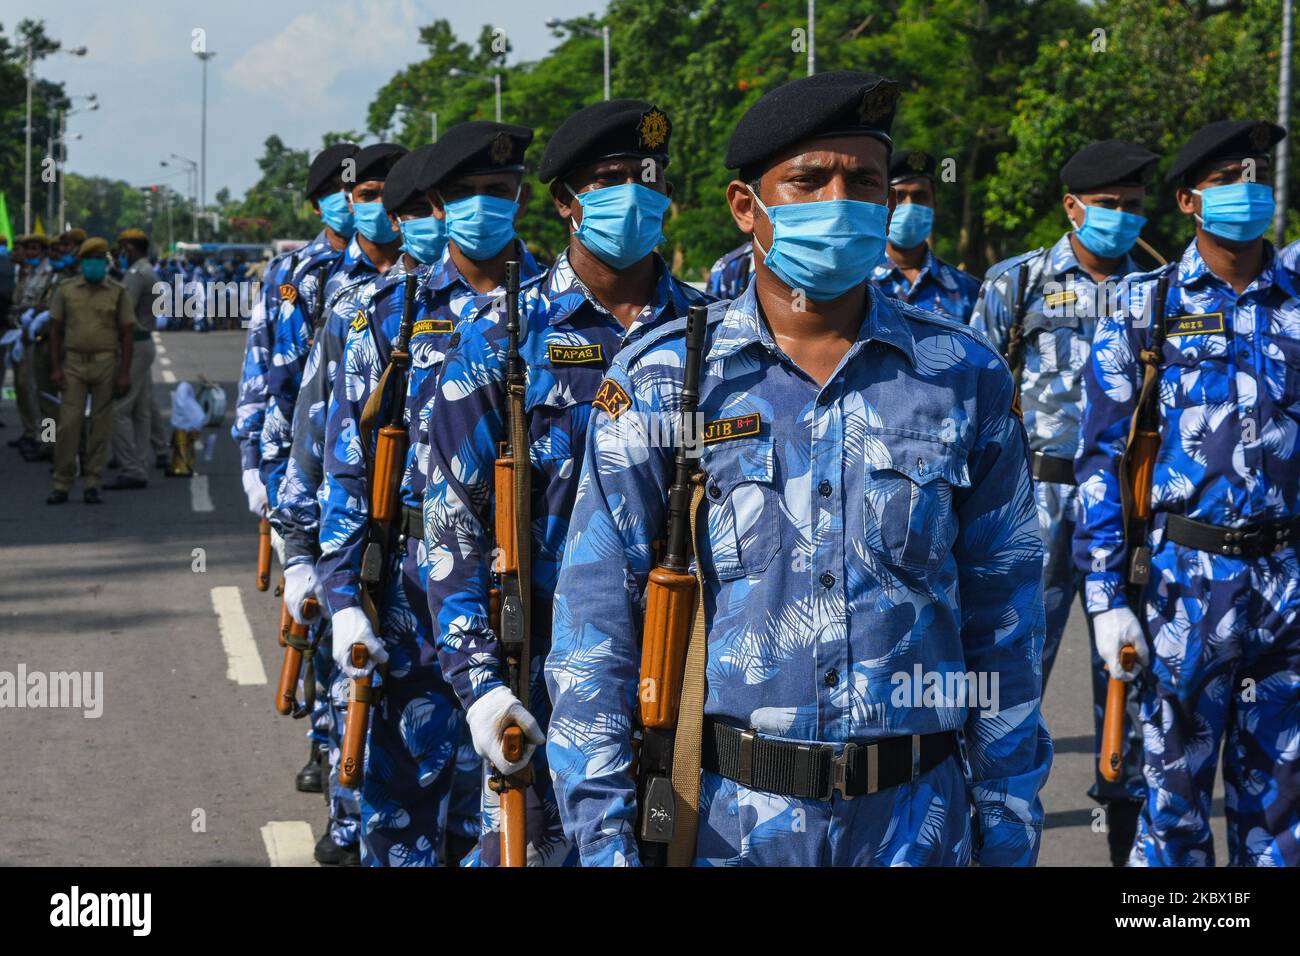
496,82
1283,119
191,182
27,163
812,37
554,23
61,155
204,56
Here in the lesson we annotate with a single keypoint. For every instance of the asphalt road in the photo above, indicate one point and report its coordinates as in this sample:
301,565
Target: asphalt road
186,764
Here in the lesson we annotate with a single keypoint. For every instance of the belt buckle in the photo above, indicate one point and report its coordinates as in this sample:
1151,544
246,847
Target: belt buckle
839,776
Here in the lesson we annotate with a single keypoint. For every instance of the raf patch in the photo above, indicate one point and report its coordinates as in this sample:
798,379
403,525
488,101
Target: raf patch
575,354
289,293
1194,324
429,326
1061,298
653,128
1259,137
359,322
725,429
611,398
916,161
500,149
878,101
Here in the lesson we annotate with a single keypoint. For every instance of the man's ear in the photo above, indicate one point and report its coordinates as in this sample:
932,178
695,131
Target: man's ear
565,205
1069,204
1188,203
315,206
741,203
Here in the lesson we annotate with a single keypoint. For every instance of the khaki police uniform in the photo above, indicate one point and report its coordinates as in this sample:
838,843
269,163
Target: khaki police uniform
93,316
32,293
133,413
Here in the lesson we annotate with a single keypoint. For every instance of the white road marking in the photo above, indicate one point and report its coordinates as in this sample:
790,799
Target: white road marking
165,361
243,663
200,498
289,843
169,376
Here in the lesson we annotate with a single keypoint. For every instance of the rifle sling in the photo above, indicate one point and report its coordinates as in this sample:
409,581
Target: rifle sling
688,742
522,489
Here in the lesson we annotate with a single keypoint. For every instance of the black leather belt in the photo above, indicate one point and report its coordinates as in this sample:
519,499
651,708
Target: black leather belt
1248,541
813,771
413,523
1057,470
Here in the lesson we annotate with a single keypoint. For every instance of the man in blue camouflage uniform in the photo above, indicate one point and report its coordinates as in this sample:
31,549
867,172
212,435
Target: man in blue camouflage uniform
466,187
605,165
869,520
370,253
1069,286
1216,627
1290,256
324,182
910,271
730,274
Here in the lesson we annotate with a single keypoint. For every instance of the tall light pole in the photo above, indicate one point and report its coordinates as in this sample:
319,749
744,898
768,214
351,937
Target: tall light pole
1283,120
27,163
60,162
204,56
496,81
812,37
434,117
191,170
555,23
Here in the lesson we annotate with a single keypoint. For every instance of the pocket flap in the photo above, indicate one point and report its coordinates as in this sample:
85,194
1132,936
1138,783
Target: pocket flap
920,458
737,461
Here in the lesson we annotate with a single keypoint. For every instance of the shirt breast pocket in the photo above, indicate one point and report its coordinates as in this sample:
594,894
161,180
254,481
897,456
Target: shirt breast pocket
908,515
744,507
1196,371
1284,355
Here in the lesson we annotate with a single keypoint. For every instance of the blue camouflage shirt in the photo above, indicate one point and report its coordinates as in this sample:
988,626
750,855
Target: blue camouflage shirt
1061,309
443,302
1290,256
939,287
1229,410
567,341
730,274
859,535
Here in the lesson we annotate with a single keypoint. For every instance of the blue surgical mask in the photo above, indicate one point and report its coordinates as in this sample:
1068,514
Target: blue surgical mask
33,261
621,224
481,225
123,262
334,212
825,248
424,238
372,222
94,269
1240,211
910,225
1109,233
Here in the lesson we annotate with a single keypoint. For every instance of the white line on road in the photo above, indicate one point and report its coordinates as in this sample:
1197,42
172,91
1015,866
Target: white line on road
243,663
165,361
289,843
200,498
169,377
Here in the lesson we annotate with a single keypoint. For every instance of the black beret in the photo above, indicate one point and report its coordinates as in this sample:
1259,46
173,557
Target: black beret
1224,139
374,161
477,147
1111,162
405,180
328,164
908,164
840,103
609,128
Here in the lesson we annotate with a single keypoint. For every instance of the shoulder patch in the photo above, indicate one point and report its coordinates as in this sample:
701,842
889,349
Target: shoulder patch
359,322
611,399
1194,324
590,354
432,326
289,293
725,429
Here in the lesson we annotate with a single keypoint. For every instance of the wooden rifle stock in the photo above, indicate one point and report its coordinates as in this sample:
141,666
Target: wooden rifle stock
286,694
514,830
1112,726
670,603
353,756
286,621
264,555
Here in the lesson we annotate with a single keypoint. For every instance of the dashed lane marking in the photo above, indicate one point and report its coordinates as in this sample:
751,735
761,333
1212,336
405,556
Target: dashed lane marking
289,843
169,377
165,362
200,497
243,663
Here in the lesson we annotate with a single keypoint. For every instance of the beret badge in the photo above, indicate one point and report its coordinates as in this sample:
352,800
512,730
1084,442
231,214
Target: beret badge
653,128
500,149
878,101
916,161
1259,137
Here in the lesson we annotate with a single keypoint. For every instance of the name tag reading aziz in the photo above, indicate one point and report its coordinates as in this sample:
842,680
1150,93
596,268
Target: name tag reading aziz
1194,324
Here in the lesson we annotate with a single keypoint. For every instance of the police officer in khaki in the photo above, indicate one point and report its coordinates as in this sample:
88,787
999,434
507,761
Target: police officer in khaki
133,412
91,328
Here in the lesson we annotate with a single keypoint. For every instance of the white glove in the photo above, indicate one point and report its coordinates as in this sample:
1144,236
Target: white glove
488,718
1114,630
351,626
255,490
299,581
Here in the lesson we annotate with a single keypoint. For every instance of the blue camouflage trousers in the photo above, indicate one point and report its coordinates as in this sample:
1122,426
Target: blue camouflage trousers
414,731
1225,672
1057,511
924,823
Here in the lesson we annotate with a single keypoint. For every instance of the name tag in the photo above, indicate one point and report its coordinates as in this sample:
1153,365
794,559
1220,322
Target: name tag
359,322
575,354
1061,298
1194,324
430,326
725,429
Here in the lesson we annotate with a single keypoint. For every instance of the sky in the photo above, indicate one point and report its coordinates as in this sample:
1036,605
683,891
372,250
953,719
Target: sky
295,69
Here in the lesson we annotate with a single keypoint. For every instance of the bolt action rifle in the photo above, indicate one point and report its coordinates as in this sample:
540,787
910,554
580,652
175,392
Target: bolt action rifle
670,602
1015,350
385,505
1136,472
513,519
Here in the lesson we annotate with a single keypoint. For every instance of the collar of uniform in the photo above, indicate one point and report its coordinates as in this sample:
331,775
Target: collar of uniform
562,279
355,259
1061,259
885,323
1193,271
445,272
933,266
